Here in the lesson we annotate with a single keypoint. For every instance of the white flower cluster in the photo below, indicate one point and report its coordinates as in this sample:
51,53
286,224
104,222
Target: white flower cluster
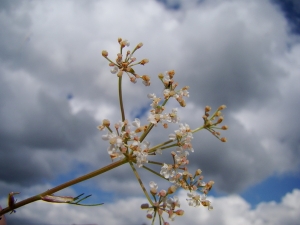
164,203
156,115
196,200
127,139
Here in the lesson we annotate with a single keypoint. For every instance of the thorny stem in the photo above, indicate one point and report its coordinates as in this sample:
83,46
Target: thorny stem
64,185
141,183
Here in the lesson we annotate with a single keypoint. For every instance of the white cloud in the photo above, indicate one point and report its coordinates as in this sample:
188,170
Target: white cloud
237,53
227,210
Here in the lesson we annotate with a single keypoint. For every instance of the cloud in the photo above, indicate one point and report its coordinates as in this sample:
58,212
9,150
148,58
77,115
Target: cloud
229,52
231,209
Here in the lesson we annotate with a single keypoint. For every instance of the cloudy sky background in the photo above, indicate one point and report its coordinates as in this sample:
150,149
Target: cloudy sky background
55,89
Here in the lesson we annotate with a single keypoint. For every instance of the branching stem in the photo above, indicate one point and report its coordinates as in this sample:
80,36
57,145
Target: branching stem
64,185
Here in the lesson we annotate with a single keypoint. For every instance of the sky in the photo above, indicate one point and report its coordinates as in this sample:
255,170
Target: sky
56,88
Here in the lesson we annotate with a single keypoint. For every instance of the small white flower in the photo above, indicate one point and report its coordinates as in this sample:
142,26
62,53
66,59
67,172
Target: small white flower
151,96
172,203
136,123
153,185
146,83
167,171
194,199
158,151
127,43
172,137
152,119
114,70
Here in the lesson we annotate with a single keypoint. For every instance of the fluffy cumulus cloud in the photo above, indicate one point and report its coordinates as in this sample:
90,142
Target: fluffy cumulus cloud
227,210
56,88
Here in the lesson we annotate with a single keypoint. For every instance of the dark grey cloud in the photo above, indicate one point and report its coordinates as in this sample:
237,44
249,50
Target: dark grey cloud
227,52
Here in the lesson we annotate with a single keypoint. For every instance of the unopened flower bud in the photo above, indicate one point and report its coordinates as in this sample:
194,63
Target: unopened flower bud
171,189
182,103
145,78
198,172
225,127
104,53
144,61
120,73
171,73
220,119
160,76
139,45
222,107
162,193
209,185
149,216
153,191
119,40
179,212
207,108
223,139
145,206
106,122
205,203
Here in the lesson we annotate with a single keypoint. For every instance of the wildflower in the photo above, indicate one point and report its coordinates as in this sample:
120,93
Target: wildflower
167,171
114,70
172,203
136,122
196,200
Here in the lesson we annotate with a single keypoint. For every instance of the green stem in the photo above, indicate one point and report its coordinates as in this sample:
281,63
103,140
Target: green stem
159,145
153,171
150,126
197,129
64,185
121,100
169,146
141,183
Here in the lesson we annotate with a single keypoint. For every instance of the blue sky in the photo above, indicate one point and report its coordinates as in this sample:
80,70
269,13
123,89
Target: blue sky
56,88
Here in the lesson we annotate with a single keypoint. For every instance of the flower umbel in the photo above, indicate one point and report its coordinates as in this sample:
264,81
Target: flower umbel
128,143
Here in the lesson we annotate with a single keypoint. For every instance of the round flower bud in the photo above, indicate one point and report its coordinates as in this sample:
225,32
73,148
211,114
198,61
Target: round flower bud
104,53
171,189
139,45
207,108
223,139
225,127
106,122
179,212
145,206
149,216
222,107
144,61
